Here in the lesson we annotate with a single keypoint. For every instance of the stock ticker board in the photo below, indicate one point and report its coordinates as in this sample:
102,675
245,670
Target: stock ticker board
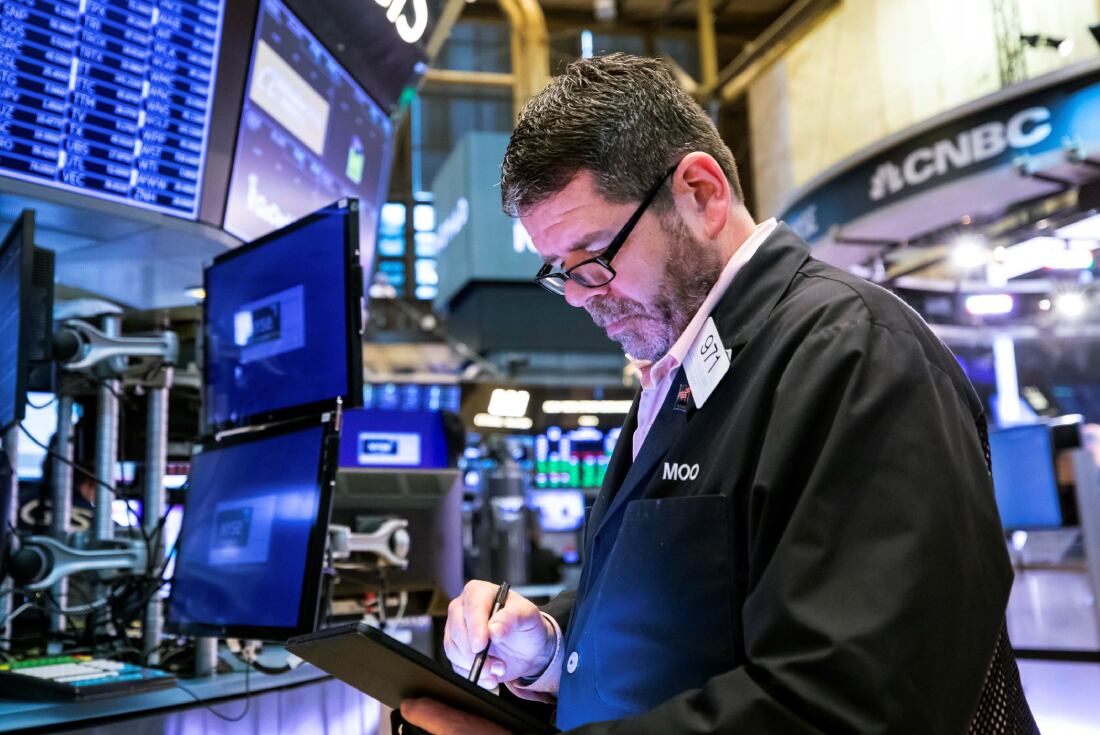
109,97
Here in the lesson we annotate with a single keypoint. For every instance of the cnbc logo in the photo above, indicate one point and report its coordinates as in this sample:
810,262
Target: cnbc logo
983,142
410,31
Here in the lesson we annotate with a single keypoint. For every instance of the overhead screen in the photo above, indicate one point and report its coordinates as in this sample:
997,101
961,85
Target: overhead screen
110,99
309,134
282,321
249,558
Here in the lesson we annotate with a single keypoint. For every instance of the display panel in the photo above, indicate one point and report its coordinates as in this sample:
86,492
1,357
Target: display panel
110,99
559,510
1023,477
393,439
283,321
15,254
249,557
309,134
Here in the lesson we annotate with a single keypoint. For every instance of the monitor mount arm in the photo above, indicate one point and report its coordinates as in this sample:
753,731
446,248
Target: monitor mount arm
79,346
40,562
389,542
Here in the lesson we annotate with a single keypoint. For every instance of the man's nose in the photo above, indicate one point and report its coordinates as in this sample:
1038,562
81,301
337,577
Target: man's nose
578,295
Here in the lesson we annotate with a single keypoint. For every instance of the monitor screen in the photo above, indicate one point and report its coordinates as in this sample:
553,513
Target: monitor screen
249,557
393,439
282,321
1023,477
111,99
309,134
559,510
14,256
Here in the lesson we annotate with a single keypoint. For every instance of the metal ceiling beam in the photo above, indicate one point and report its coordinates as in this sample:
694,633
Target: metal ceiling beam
776,39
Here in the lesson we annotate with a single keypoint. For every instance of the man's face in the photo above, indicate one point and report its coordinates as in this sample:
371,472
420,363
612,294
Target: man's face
663,273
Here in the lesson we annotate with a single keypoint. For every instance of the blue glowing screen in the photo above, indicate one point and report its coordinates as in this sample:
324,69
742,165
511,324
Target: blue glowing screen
244,545
1023,477
277,323
393,439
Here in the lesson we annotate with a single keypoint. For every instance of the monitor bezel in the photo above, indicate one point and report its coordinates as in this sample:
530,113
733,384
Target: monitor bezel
23,230
309,608
1016,428
353,290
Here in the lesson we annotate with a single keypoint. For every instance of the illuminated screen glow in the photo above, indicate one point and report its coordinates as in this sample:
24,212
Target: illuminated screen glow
110,99
309,135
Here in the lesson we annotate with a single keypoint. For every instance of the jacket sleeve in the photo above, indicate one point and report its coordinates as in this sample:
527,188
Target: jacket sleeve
878,574
561,608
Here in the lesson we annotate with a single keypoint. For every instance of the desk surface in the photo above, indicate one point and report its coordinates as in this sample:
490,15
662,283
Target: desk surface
18,715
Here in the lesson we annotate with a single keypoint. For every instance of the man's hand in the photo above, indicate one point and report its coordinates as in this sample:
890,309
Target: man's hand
439,719
522,640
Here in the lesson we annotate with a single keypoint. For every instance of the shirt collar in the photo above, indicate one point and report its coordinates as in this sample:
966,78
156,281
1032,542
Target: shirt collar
653,373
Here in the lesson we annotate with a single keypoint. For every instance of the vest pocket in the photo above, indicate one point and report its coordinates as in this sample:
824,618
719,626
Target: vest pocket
662,619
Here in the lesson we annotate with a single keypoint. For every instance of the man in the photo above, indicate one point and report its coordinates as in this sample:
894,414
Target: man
797,532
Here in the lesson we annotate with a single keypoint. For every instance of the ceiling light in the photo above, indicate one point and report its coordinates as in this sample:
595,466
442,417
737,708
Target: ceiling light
1069,260
969,252
1070,305
195,292
985,304
1044,305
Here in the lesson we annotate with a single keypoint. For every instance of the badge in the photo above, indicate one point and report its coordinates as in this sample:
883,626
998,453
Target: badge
706,364
683,398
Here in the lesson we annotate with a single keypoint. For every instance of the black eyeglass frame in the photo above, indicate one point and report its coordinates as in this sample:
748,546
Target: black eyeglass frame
548,278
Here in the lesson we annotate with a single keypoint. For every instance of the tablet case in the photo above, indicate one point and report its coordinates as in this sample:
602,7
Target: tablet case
388,670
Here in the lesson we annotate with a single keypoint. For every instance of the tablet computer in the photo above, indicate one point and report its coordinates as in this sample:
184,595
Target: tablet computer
388,670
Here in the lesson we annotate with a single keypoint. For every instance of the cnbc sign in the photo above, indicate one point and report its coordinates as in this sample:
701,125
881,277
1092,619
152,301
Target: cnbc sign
410,25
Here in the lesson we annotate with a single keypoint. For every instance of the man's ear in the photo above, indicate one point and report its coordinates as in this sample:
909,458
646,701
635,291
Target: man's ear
701,184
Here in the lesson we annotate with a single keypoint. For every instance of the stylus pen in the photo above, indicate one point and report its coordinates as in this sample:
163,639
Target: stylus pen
479,659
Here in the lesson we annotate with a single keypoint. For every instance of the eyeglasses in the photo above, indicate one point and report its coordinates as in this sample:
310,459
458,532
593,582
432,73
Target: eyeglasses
597,271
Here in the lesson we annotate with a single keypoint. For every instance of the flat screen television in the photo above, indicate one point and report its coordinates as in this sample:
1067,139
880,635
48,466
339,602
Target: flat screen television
283,322
251,545
309,134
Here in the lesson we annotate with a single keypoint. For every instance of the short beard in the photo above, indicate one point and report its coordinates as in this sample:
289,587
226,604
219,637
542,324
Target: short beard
691,269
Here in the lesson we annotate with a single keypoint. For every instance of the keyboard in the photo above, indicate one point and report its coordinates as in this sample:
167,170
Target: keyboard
77,678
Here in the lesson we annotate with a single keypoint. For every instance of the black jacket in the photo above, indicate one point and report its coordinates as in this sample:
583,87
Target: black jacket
835,564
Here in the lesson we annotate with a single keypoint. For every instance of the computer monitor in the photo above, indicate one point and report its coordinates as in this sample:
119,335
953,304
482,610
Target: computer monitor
559,510
283,322
309,133
393,439
1023,477
253,536
26,319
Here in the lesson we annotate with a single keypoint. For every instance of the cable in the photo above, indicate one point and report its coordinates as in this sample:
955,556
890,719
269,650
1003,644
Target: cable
44,406
87,473
16,612
219,715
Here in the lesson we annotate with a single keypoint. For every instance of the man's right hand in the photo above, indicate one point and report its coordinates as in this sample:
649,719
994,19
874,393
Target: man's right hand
523,642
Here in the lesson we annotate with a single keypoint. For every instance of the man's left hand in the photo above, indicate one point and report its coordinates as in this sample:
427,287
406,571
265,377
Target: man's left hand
439,719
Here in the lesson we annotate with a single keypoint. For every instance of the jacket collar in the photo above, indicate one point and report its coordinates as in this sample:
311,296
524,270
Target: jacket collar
757,288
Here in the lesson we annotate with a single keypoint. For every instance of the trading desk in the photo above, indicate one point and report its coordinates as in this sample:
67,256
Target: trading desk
302,700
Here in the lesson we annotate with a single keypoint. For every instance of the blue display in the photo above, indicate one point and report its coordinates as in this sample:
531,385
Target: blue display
309,134
277,322
245,542
12,270
110,99
559,510
393,439
1023,477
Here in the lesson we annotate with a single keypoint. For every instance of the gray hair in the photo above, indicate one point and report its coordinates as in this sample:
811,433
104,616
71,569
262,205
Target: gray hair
622,117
